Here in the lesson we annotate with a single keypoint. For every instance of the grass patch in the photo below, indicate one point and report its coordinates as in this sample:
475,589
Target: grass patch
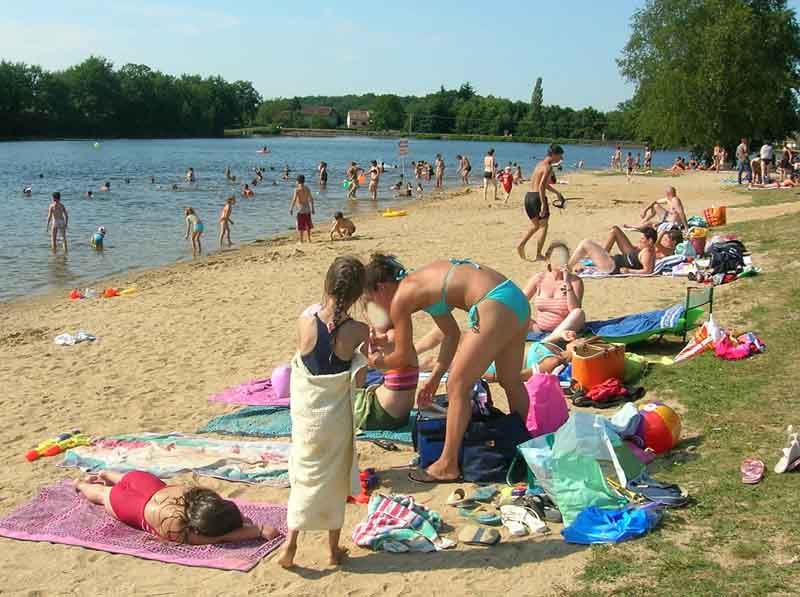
765,197
735,539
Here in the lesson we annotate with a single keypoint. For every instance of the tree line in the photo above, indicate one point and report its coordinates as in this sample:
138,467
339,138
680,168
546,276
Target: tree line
460,111
93,99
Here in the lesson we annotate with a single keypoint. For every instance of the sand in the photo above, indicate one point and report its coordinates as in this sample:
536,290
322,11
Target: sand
194,329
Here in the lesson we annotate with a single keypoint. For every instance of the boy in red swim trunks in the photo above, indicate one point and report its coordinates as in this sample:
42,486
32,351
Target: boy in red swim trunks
304,201
179,513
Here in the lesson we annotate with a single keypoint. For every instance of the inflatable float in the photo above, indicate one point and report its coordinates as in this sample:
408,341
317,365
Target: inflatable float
394,213
263,151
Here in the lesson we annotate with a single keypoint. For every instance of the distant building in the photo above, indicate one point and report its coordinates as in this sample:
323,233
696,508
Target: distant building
357,119
326,113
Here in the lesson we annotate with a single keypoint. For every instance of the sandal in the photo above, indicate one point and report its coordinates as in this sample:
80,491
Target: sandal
457,499
472,535
421,476
481,516
752,471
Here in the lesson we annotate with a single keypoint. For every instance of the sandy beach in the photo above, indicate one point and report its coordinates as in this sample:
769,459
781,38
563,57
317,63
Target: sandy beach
193,329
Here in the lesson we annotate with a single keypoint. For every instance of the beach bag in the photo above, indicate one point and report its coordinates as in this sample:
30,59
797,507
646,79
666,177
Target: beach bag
727,256
715,216
595,361
547,410
598,525
488,447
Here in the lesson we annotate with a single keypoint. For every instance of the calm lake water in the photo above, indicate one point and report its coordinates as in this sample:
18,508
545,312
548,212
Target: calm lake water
144,221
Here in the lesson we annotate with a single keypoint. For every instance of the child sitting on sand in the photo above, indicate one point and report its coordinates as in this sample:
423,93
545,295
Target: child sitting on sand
342,227
179,513
327,368
194,227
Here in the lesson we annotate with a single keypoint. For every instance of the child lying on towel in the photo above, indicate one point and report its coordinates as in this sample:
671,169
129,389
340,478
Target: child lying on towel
179,513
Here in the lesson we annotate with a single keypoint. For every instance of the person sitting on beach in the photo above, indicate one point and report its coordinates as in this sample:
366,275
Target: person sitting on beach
225,220
668,211
497,309
194,227
537,207
639,259
190,177
98,238
247,192
328,366
678,167
304,201
557,296
179,513
398,185
342,227
57,214
506,179
106,187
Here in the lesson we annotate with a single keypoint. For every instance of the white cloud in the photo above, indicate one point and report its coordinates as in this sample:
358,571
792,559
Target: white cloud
54,45
182,20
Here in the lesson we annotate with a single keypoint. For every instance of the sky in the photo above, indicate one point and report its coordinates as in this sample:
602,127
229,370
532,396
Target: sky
311,47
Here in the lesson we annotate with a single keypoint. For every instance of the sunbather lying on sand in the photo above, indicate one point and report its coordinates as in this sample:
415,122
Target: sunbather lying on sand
640,259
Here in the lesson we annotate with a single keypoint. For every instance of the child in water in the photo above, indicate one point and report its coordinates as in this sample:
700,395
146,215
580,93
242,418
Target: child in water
179,513
225,220
342,227
98,238
327,368
194,227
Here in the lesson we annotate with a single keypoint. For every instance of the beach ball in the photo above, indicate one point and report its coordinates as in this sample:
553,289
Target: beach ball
660,427
280,381
362,179
96,145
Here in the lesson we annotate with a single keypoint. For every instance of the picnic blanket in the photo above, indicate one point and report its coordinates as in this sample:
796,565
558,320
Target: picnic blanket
275,421
169,454
662,267
59,515
259,392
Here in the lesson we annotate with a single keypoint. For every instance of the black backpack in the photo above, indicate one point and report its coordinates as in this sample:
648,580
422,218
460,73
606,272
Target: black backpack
727,256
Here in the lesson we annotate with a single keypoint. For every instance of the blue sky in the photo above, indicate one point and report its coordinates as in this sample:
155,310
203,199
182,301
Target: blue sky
312,47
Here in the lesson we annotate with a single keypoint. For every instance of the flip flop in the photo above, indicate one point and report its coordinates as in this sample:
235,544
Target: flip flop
481,516
526,516
473,535
420,476
752,471
484,494
458,499
385,444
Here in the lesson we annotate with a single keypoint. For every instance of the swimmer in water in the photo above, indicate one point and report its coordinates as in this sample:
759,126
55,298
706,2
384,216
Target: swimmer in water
194,227
190,177
98,238
106,187
152,180
127,181
57,214
342,227
247,192
225,220
174,186
27,192
89,194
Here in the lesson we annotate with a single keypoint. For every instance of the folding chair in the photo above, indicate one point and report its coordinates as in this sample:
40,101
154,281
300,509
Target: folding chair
697,297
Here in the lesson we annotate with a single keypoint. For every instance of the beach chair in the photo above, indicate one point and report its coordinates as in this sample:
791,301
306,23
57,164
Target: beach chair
696,297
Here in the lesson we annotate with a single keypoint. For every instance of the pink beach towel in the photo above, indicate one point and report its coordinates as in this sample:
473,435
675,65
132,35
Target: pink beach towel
59,515
258,392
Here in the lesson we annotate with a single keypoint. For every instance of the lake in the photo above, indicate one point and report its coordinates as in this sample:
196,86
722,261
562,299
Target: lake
144,221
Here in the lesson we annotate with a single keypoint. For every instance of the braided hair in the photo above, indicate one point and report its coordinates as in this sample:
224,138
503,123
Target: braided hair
344,282
381,269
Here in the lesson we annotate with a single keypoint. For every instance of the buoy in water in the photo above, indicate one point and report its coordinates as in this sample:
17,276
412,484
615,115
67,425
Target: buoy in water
96,145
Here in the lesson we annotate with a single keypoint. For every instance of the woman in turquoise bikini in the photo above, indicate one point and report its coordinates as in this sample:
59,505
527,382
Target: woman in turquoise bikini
498,317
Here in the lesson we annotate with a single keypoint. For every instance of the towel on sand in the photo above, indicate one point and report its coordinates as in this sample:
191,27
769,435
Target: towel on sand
663,266
629,325
59,515
276,421
169,454
323,466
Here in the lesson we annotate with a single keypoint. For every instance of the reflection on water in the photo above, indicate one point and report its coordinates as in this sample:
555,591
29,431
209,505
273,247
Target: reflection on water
144,220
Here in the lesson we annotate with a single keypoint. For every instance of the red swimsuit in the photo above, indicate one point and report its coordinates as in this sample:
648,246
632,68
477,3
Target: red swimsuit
129,498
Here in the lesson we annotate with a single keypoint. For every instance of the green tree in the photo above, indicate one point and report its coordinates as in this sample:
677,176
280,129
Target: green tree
710,71
388,113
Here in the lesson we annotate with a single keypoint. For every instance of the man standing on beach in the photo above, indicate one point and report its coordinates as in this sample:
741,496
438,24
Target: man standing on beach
438,166
536,206
304,201
743,160
489,173
57,214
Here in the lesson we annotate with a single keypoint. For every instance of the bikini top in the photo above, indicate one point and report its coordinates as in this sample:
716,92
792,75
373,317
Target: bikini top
441,307
322,360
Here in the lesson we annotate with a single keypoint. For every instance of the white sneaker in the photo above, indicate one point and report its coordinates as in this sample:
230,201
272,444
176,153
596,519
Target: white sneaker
791,453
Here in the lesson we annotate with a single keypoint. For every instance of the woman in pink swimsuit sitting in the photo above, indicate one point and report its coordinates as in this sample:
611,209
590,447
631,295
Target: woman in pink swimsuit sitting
177,513
557,296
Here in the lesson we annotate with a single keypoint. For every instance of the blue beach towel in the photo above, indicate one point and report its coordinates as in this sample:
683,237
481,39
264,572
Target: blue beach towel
630,325
275,421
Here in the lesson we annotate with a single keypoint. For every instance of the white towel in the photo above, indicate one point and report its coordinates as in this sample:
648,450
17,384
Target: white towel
323,465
